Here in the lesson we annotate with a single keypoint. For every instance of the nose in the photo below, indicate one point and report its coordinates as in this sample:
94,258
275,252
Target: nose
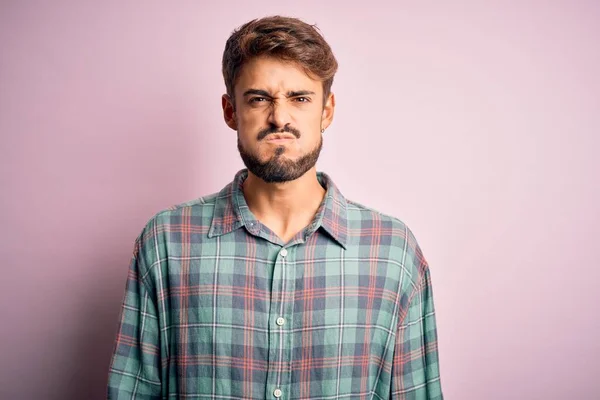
279,116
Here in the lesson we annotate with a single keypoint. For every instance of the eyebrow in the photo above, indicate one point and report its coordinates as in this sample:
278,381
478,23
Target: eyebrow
290,93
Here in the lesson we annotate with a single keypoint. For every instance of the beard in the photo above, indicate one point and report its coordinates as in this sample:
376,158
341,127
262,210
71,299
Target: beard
279,169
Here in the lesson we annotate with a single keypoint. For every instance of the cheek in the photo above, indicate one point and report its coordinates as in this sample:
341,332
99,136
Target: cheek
310,120
250,121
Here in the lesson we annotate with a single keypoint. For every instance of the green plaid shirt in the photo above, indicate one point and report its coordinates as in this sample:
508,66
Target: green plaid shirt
218,307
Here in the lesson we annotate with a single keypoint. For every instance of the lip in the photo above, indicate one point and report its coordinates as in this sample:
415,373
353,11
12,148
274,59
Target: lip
277,138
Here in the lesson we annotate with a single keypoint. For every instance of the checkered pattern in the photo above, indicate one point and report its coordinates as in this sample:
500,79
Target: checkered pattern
218,307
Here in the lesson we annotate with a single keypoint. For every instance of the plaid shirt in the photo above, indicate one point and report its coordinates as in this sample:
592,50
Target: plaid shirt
217,306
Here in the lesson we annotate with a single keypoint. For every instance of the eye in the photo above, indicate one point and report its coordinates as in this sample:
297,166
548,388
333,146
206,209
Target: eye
258,99
302,99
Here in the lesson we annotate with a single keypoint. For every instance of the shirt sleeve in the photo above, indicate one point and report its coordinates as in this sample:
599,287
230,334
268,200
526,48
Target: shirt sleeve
415,368
135,366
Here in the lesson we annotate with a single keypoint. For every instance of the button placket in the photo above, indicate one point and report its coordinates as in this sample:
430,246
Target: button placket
279,341
286,315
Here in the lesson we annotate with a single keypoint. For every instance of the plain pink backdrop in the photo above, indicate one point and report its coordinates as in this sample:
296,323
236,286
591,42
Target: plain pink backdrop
476,123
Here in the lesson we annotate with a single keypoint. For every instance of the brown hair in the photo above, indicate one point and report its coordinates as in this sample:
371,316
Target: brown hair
285,38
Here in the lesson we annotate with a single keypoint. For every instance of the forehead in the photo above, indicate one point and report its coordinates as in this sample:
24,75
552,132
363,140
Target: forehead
274,75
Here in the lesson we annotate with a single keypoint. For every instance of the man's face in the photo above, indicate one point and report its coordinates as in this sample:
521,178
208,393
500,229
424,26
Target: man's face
278,99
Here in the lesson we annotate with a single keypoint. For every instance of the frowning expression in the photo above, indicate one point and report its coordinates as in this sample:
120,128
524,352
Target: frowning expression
278,112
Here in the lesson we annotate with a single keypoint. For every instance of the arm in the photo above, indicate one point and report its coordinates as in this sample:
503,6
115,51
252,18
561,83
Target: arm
415,368
135,367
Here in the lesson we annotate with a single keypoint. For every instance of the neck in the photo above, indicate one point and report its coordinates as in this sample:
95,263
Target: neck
284,207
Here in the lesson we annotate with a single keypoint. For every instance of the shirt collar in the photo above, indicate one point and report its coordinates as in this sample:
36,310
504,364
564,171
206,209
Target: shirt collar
231,210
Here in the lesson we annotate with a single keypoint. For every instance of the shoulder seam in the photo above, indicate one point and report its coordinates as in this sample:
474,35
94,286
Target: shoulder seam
200,201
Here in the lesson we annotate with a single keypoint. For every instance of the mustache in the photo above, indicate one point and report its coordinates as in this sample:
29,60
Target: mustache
286,129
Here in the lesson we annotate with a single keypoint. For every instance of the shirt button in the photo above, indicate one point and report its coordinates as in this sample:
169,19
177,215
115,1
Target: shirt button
283,252
277,393
280,321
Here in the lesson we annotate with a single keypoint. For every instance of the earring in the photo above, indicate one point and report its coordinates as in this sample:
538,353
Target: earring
322,130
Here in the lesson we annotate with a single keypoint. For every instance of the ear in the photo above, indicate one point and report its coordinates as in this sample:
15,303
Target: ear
229,112
328,110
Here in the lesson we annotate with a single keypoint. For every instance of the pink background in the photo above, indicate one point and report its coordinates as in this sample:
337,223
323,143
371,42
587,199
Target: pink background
477,124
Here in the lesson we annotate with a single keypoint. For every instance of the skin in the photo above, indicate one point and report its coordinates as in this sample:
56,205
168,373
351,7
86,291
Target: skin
273,96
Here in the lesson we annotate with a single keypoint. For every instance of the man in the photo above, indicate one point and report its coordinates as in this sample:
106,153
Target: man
277,286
